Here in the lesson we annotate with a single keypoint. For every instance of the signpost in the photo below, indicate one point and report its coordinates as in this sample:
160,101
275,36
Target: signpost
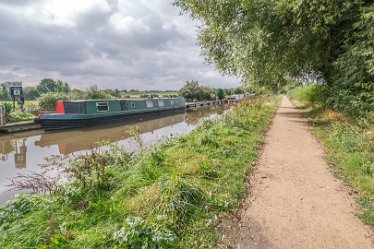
17,94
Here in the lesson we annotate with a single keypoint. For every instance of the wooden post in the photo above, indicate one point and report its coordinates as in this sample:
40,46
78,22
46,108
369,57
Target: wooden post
2,115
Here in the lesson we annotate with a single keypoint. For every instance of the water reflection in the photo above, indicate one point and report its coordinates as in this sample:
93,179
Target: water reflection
18,148
77,140
24,152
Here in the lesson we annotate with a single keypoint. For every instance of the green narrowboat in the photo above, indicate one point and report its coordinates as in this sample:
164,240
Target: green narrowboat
72,114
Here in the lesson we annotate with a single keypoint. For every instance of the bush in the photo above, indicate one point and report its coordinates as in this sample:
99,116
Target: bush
355,100
19,116
48,101
314,94
8,107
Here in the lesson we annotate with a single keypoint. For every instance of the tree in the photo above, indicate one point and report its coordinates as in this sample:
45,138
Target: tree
4,91
94,93
269,43
193,91
50,85
30,92
48,101
220,94
238,90
266,42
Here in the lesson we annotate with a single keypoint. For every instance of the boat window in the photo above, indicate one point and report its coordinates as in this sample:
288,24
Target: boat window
161,103
133,104
102,106
74,107
149,103
124,105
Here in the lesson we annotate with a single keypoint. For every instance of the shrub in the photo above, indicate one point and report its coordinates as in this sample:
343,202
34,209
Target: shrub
48,101
19,116
8,107
356,100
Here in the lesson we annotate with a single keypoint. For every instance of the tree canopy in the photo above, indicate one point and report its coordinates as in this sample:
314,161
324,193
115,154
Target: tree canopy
50,85
192,90
270,43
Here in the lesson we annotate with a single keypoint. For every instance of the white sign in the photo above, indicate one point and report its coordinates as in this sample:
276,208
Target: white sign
17,91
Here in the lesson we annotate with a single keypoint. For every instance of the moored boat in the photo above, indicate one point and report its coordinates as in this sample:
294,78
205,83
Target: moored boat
72,114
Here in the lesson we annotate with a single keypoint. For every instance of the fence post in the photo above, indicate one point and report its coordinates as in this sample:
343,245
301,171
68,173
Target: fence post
2,115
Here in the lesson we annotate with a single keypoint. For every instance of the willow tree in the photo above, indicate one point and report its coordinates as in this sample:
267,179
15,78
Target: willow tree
267,41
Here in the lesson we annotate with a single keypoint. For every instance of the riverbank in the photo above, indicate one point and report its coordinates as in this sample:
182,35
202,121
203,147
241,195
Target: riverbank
172,195
349,148
19,127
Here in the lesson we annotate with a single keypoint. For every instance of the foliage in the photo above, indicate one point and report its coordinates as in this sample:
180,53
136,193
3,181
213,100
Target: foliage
50,85
30,92
48,101
267,43
172,195
89,170
113,93
239,90
355,102
19,116
139,234
16,115
309,93
193,91
353,91
220,94
16,209
8,107
94,93
4,91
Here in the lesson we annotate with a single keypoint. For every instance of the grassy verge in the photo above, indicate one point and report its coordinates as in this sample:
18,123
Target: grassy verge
17,115
172,195
349,146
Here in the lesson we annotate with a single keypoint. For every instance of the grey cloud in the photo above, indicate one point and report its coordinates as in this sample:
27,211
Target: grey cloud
17,2
93,51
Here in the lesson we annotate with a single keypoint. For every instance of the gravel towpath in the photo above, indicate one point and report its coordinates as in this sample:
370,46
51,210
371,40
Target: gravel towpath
295,201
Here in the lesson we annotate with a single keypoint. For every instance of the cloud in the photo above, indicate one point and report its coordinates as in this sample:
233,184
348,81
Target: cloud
114,43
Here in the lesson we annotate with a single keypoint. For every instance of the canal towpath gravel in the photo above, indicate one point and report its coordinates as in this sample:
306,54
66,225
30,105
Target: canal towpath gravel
295,201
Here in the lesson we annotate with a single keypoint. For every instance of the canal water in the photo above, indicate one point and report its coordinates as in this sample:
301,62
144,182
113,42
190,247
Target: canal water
24,153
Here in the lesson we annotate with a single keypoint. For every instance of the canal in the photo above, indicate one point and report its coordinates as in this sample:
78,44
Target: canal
26,152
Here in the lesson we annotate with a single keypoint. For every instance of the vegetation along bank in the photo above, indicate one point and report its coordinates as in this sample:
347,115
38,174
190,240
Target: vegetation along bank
348,141
172,195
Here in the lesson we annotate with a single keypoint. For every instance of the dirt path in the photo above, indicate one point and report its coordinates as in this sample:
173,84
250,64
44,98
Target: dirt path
296,202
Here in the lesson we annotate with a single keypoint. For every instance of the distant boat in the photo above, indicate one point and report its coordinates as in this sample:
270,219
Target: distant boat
82,113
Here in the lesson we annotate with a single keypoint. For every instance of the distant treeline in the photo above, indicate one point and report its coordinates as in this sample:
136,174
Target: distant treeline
193,91
61,89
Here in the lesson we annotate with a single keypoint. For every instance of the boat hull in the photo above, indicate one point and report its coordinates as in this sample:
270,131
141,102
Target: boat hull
63,124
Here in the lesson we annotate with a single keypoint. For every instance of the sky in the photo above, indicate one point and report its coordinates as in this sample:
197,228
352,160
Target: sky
124,44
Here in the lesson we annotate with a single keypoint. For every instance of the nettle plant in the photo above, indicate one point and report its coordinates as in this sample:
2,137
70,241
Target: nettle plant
137,233
75,173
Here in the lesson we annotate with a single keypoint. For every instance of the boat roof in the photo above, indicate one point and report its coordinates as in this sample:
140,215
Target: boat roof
98,100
